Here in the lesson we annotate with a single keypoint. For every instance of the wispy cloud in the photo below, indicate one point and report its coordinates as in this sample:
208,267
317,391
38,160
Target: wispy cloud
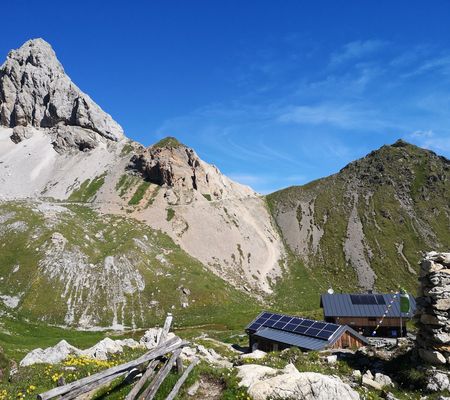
421,134
356,50
364,95
341,116
439,64
431,140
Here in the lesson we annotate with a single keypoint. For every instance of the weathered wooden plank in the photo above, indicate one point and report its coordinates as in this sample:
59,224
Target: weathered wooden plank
150,391
182,379
151,367
166,329
180,366
150,371
167,347
92,386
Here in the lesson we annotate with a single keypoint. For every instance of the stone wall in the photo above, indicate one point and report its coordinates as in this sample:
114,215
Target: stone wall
433,304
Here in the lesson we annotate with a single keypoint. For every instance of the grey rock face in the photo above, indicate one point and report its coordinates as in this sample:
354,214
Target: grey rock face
20,133
433,338
35,90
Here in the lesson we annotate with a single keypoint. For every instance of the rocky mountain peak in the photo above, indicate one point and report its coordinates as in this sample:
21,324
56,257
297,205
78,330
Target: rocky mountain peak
169,142
174,165
169,162
35,91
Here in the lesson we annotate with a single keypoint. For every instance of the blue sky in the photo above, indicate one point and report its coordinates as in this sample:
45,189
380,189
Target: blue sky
275,93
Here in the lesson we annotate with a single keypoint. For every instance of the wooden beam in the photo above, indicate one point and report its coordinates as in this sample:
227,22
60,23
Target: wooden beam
183,378
180,367
167,347
148,374
151,367
97,385
150,391
166,328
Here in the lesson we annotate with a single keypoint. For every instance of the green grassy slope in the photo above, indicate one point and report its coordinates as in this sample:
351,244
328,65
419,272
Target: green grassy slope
403,203
145,280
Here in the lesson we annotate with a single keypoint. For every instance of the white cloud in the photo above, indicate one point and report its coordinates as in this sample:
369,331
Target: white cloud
421,134
354,50
342,116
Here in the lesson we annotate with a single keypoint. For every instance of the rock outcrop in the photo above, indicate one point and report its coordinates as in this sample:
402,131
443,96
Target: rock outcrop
99,351
268,383
171,164
433,338
35,91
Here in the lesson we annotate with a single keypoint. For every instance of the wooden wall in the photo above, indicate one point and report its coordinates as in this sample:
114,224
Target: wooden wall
347,341
365,321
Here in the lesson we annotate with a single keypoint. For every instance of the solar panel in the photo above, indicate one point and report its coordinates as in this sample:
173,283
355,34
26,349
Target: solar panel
365,299
316,329
254,326
290,327
279,325
319,325
380,299
306,322
270,323
324,335
312,332
300,329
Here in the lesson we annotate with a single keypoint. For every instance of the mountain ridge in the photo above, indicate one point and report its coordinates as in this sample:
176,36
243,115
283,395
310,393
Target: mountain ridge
395,185
360,228
70,162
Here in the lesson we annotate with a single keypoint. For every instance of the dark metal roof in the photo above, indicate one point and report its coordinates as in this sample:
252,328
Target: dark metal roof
340,305
291,339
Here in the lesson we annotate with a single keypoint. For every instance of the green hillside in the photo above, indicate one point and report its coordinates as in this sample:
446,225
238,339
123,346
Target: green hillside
390,206
65,264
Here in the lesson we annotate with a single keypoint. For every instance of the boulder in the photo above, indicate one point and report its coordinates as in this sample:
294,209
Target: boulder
368,374
73,138
429,266
208,355
432,356
151,337
383,380
267,383
107,346
58,353
21,133
438,382
251,373
370,383
356,374
50,355
332,359
442,304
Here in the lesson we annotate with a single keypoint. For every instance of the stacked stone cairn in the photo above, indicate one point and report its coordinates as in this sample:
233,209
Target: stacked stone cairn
433,308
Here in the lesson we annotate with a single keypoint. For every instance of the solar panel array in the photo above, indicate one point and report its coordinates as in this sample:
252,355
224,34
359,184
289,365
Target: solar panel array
302,326
376,299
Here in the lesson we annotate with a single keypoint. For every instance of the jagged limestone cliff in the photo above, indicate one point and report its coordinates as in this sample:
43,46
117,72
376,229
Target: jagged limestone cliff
57,147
